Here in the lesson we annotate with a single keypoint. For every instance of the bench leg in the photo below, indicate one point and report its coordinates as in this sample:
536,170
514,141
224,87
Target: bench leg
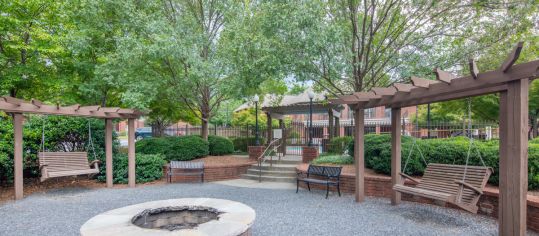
297,186
339,189
202,177
327,190
309,186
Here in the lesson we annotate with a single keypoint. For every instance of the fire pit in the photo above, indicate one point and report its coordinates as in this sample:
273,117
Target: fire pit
186,216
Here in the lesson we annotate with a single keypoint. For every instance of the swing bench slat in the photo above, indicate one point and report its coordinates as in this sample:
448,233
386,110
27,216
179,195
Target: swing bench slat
444,183
61,164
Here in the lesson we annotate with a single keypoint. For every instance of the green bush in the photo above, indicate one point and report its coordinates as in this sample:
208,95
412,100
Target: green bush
241,143
149,167
61,134
334,159
220,145
182,148
339,144
445,151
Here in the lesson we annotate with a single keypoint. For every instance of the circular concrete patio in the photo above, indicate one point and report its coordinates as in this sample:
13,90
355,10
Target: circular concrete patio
279,211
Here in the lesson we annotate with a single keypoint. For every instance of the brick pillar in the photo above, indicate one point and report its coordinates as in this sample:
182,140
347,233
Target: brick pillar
309,153
255,152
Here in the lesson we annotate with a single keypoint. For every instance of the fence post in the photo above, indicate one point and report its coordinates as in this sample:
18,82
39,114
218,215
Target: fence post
215,129
186,129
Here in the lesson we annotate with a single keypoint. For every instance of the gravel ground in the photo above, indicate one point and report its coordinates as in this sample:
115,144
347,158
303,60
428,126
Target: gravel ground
279,212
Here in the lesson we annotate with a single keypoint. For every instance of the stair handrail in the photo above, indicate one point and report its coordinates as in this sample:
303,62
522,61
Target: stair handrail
261,158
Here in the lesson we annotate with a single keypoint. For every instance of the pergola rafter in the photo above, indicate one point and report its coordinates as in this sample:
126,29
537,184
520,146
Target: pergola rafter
17,107
509,80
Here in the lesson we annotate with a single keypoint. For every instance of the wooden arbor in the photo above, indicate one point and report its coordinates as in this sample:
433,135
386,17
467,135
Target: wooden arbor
510,81
17,107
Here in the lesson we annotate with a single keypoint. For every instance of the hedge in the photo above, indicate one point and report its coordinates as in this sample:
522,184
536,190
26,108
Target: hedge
339,145
182,148
61,134
334,159
149,167
220,145
242,143
445,151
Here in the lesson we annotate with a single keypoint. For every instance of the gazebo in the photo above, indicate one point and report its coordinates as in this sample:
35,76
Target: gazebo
17,107
300,104
510,81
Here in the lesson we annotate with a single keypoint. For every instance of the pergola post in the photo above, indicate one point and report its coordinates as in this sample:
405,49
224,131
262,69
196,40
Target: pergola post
359,153
269,128
131,152
395,153
337,127
283,139
331,131
17,153
108,151
513,158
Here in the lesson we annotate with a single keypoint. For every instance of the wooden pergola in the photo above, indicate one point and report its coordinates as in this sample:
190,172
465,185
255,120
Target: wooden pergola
17,107
509,80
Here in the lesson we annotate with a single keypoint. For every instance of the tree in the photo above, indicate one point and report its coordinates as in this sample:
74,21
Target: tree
30,49
352,46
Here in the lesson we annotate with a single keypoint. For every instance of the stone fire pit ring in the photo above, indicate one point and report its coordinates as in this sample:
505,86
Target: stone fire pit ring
235,218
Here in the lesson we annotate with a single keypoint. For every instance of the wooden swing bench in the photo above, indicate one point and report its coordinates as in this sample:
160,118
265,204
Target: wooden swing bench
444,183
61,164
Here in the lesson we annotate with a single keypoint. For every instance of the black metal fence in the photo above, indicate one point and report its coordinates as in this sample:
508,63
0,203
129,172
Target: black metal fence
296,133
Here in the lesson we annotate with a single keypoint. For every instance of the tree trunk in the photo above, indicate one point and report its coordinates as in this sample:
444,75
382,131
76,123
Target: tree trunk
205,128
158,128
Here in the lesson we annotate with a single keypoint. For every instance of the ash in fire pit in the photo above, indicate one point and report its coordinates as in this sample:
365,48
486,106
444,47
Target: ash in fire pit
175,217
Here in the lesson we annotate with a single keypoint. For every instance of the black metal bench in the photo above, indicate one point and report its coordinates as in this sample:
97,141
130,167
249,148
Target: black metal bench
325,175
185,168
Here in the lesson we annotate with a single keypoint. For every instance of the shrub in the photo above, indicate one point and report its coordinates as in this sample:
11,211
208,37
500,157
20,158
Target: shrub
334,159
149,167
220,145
339,144
241,143
182,148
445,151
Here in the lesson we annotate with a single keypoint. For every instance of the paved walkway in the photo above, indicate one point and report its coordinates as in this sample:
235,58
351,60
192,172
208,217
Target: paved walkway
280,211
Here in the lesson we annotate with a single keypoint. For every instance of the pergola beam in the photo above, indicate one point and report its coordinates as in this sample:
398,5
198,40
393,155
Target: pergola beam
474,71
443,76
403,87
15,105
512,57
422,83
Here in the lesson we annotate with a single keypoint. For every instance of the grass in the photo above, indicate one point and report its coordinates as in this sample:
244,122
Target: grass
334,159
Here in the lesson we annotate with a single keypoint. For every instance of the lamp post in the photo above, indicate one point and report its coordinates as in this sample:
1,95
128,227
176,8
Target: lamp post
311,96
255,99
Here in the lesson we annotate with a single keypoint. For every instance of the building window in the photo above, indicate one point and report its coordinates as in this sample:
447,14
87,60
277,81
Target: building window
387,112
370,113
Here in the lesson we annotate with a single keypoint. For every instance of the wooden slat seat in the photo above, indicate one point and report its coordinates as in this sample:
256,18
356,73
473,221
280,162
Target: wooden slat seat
185,168
443,182
61,164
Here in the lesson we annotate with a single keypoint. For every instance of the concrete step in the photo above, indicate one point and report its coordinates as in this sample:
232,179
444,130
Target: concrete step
276,167
253,171
270,178
282,161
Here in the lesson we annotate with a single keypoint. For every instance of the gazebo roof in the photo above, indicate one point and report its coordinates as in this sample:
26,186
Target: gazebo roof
15,105
293,104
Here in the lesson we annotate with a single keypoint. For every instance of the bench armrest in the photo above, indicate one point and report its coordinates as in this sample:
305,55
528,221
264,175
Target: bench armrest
467,185
408,177
95,162
42,166
300,174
